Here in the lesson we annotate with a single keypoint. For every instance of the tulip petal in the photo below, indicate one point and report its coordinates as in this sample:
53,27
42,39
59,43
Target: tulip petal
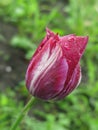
52,81
72,84
41,53
49,35
47,72
73,48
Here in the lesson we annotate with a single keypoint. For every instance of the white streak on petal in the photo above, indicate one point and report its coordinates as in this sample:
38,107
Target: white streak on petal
47,61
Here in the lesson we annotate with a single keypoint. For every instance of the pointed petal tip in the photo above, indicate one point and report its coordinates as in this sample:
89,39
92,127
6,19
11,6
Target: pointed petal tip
86,38
52,34
48,31
82,42
83,38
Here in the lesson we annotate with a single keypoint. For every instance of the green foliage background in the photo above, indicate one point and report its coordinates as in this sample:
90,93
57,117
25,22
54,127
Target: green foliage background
78,111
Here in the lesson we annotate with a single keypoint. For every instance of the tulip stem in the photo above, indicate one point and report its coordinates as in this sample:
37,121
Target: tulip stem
23,113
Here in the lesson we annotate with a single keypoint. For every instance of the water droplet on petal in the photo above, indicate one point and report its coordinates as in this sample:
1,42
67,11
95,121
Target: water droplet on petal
71,39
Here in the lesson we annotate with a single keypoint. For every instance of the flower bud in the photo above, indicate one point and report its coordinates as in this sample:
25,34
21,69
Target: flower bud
54,70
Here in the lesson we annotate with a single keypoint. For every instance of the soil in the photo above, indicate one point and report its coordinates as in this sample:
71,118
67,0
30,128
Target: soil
12,62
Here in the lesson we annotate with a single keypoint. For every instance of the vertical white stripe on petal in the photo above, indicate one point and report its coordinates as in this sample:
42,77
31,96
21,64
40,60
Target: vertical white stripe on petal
44,65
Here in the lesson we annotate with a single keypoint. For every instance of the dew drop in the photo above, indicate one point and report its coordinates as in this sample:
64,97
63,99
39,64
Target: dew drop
71,39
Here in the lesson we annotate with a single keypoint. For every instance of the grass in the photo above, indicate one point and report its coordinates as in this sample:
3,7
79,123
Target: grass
78,110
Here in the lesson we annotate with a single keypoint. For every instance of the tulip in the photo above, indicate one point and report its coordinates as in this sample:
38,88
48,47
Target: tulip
54,70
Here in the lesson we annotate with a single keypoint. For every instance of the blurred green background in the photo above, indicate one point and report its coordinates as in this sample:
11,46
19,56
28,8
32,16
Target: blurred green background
22,27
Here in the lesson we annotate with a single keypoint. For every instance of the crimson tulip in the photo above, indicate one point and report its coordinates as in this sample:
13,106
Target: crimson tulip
54,70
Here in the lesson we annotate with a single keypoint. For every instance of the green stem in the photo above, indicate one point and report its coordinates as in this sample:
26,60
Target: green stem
23,113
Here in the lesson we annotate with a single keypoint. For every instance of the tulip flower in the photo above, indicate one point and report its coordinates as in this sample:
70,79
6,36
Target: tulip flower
54,70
